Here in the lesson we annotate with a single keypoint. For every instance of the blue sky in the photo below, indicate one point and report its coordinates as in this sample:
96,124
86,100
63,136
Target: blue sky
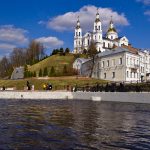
53,22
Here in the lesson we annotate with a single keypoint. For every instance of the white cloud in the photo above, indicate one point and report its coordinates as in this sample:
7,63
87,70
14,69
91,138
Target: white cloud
5,49
145,2
11,37
87,15
50,42
8,33
147,12
6,46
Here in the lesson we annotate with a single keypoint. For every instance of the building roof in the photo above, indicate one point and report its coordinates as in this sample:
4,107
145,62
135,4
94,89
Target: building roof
83,60
114,51
111,30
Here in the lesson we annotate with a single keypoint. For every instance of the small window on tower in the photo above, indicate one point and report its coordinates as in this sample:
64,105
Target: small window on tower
88,42
95,27
104,44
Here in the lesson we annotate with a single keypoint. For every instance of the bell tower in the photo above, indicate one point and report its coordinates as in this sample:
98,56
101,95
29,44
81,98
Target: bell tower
78,38
97,33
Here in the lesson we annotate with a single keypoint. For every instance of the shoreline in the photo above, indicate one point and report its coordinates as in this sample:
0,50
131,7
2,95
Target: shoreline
132,97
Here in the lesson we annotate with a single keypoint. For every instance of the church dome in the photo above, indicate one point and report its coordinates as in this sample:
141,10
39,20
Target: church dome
111,30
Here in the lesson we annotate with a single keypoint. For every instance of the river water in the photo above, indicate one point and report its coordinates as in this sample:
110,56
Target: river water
73,125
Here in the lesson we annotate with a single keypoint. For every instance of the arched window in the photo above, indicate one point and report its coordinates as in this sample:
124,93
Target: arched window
88,42
95,27
99,28
103,44
79,33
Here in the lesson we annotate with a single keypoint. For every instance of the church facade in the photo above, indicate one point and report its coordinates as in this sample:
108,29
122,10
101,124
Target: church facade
82,42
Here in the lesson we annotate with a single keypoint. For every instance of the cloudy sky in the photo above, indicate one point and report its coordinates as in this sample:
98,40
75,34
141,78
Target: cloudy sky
53,22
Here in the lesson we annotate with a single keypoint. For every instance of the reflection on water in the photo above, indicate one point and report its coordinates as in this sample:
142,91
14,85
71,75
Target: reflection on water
73,125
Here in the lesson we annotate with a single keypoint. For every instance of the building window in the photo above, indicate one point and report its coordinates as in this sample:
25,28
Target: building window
127,61
88,42
131,75
112,37
79,42
104,75
107,63
113,75
120,61
103,44
127,74
76,34
103,64
95,27
79,33
99,28
95,37
113,62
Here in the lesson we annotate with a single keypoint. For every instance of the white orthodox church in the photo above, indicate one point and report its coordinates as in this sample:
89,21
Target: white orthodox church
82,42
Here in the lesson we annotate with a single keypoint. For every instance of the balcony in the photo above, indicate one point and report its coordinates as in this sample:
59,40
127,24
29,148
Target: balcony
134,66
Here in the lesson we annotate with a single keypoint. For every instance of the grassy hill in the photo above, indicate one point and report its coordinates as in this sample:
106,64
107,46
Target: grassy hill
57,61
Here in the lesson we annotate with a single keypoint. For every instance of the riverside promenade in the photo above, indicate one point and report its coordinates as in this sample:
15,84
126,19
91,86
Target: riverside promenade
133,97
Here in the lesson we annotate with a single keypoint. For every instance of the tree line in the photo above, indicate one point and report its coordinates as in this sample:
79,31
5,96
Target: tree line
21,56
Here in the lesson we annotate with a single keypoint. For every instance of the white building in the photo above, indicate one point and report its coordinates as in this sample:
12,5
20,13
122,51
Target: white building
82,42
122,64
78,64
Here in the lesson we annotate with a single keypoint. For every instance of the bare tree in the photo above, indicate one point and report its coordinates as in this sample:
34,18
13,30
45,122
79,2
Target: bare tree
92,51
5,67
18,57
35,52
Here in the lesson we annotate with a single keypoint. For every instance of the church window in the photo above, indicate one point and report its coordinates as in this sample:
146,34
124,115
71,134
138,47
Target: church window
99,37
79,33
104,44
95,27
88,42
95,37
76,34
112,37
99,28
79,42
108,45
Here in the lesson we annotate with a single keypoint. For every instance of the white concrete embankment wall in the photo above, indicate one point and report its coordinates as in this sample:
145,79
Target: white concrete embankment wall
115,97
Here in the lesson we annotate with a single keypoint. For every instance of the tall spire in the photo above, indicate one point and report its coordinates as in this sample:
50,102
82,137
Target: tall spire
111,23
97,16
78,23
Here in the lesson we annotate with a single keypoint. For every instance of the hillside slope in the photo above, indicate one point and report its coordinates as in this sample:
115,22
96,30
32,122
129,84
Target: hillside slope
57,61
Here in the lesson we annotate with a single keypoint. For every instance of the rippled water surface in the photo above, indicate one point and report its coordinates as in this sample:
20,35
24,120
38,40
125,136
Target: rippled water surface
73,125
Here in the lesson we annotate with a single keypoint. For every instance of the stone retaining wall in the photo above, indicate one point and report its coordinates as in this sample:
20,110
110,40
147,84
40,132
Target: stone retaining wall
95,96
